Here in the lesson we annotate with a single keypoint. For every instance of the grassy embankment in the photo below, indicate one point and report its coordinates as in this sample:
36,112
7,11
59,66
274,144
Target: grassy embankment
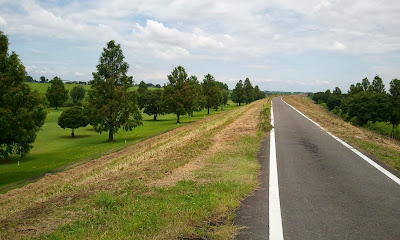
182,184
54,148
384,148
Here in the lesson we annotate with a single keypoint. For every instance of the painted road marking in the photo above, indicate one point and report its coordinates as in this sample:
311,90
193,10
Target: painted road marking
367,159
275,218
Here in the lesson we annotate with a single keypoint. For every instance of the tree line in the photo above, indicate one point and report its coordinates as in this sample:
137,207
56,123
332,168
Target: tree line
110,104
365,102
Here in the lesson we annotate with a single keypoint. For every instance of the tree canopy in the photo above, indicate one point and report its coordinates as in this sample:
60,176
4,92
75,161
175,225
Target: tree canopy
178,97
22,111
212,92
110,103
77,94
72,118
56,93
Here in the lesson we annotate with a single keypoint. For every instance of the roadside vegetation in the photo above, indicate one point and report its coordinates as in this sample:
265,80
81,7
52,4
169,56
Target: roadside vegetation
382,147
366,104
183,184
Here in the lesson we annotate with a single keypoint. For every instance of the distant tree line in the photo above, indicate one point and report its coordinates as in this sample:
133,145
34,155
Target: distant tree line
110,106
365,102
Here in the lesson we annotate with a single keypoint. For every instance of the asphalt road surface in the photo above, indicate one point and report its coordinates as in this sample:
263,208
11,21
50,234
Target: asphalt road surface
326,191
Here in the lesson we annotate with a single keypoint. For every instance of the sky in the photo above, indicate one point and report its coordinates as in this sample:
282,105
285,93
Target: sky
280,45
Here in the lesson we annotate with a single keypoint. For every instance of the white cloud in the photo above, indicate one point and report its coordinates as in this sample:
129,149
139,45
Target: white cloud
3,21
338,46
78,74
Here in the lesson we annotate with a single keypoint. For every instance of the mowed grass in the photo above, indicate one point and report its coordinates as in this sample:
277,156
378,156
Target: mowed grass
129,195
54,148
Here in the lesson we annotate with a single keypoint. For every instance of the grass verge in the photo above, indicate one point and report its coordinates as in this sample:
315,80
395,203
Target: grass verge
122,195
383,148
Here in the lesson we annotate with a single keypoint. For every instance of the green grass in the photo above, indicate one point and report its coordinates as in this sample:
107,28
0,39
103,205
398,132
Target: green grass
384,128
189,209
54,148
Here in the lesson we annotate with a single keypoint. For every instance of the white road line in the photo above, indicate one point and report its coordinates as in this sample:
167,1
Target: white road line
367,159
275,218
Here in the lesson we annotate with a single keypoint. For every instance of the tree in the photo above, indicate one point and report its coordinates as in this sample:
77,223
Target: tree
77,94
337,91
238,94
22,111
368,106
199,100
249,91
72,118
56,93
142,92
43,79
258,93
152,103
29,79
354,89
178,95
395,104
212,92
111,105
377,85
366,84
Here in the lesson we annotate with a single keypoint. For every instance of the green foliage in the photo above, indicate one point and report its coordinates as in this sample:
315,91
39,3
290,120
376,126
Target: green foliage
258,93
152,103
212,92
377,85
22,112
72,118
77,94
238,93
178,97
199,100
110,104
56,94
395,87
368,106
248,91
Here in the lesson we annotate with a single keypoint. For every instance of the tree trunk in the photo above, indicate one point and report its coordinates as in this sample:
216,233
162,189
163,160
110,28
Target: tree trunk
191,115
155,117
208,110
72,134
177,121
110,135
56,107
239,104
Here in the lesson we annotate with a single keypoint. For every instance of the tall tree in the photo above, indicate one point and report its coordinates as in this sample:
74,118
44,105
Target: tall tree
377,85
77,94
43,79
178,94
142,94
152,103
22,111
56,93
354,89
395,104
249,90
110,104
199,100
72,118
337,91
212,92
238,94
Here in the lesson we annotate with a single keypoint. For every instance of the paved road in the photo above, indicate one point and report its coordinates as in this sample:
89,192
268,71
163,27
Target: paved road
326,191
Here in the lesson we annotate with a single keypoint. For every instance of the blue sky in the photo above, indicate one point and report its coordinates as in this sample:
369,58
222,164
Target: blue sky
283,45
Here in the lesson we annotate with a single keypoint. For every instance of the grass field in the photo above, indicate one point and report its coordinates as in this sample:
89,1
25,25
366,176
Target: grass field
385,149
54,148
184,184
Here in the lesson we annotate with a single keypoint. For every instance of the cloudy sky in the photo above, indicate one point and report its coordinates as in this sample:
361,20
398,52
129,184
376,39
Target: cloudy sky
286,45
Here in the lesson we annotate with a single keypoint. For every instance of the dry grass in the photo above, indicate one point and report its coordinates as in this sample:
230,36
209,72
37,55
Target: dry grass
161,161
384,148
